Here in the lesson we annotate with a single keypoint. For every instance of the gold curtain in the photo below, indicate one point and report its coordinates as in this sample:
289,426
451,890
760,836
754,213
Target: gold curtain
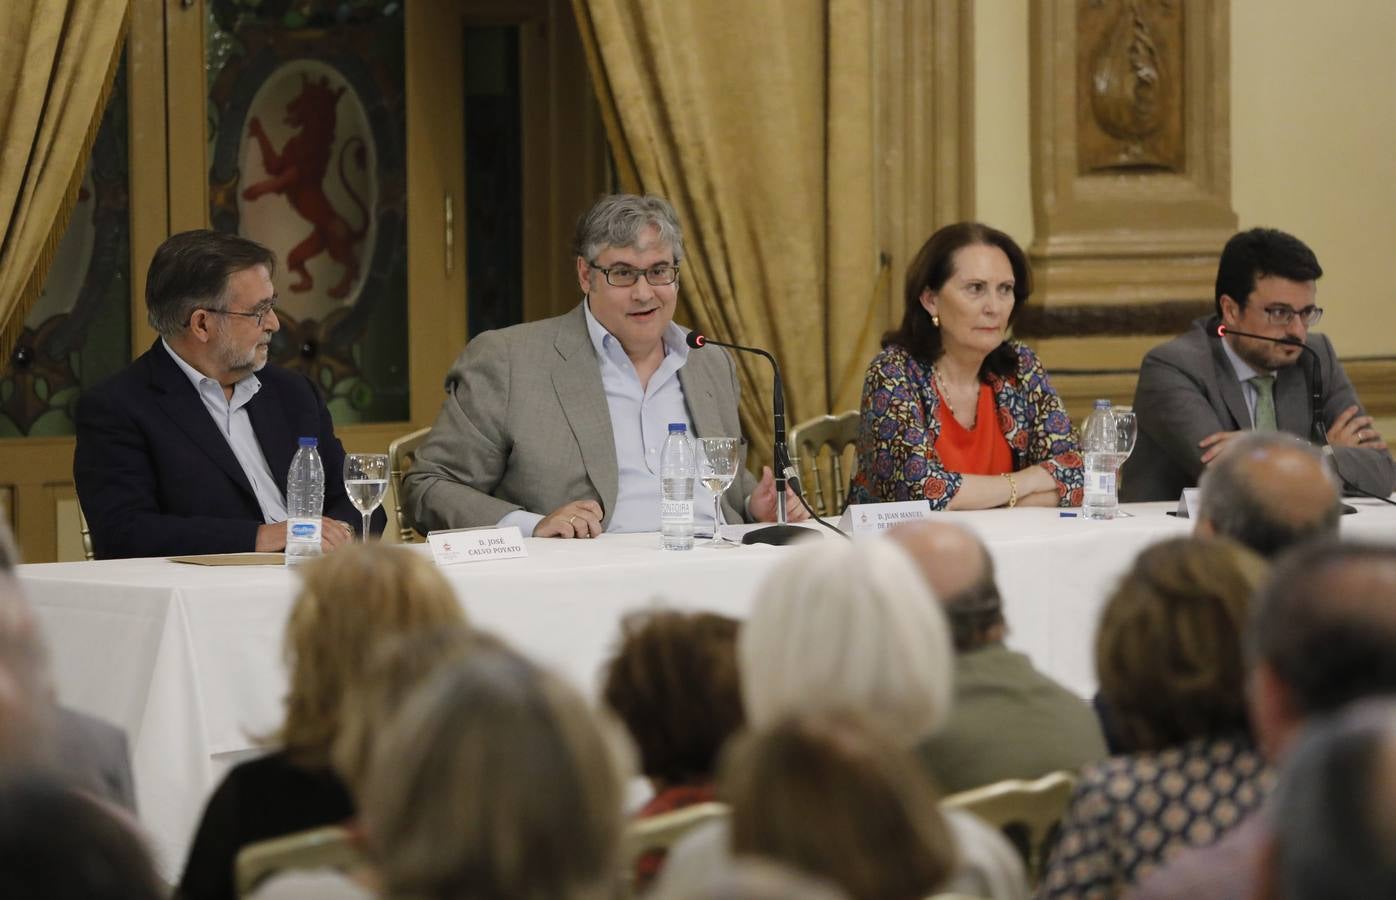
57,64
756,120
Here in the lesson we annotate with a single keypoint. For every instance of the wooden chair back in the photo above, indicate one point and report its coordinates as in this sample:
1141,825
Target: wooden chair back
818,446
318,848
1029,813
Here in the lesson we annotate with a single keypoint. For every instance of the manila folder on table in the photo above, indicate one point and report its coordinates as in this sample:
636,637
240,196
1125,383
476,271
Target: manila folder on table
233,559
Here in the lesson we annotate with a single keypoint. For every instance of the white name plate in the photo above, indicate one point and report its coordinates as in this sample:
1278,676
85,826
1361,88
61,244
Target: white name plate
871,518
1187,504
476,545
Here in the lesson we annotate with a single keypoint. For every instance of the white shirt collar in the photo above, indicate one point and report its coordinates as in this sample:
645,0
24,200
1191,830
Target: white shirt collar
1244,370
197,378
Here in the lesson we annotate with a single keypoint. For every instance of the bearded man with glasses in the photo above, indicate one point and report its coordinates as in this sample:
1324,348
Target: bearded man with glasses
186,450
1201,390
556,426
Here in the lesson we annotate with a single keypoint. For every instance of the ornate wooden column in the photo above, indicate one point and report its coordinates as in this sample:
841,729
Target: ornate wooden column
1131,176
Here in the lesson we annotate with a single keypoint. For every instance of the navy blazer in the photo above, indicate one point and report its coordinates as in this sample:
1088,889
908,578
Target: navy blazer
155,477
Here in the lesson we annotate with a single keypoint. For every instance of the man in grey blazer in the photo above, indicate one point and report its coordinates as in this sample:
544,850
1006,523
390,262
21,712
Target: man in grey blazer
556,426
1199,391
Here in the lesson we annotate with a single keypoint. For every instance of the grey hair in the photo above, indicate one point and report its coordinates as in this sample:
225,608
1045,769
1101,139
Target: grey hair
616,220
190,271
1239,508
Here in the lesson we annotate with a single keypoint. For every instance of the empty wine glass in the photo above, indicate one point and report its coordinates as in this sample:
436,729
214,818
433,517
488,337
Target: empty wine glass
718,459
366,481
1127,426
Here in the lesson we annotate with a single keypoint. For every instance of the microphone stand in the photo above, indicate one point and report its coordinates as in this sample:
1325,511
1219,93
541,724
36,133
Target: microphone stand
1313,375
782,532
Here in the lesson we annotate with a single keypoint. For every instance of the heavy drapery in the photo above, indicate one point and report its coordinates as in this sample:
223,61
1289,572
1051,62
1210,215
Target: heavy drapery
756,120
57,62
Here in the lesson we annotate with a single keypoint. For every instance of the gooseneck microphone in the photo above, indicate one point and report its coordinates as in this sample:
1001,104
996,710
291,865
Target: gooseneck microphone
1315,380
781,532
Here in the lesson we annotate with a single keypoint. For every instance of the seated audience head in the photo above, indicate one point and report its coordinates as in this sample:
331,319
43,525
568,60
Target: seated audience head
350,600
628,251
848,626
1169,652
961,572
395,667
1261,273
495,780
1334,810
931,319
59,843
210,295
1269,491
1322,634
26,693
809,791
673,682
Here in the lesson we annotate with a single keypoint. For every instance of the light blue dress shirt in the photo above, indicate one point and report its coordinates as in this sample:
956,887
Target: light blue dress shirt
1244,373
640,418
233,422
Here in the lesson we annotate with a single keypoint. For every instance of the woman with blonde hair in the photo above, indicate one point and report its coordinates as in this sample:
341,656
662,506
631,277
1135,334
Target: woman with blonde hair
348,601
853,626
494,779
1172,674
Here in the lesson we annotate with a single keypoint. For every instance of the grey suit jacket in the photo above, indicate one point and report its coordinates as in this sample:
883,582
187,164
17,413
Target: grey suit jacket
93,755
525,425
1187,390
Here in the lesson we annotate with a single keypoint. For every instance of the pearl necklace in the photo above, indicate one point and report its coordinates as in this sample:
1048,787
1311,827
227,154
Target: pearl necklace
945,396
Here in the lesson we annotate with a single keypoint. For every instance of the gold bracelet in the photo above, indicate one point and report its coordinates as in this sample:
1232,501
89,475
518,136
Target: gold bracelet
1012,489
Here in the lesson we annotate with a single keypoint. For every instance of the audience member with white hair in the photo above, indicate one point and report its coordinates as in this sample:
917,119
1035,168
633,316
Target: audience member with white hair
852,626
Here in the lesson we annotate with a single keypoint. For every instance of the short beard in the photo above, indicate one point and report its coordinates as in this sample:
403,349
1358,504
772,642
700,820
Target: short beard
239,364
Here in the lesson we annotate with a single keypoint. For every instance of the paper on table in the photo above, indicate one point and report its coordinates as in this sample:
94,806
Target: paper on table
233,559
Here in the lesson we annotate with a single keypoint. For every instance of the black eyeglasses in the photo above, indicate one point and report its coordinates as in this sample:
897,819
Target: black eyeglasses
258,314
625,276
1283,315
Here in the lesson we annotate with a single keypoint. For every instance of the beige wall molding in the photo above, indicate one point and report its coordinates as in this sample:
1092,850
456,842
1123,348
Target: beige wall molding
1130,147
1089,320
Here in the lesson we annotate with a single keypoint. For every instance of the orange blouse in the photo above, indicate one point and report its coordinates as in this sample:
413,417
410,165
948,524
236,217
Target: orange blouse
982,450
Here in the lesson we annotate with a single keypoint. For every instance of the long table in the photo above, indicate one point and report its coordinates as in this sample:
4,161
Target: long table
188,658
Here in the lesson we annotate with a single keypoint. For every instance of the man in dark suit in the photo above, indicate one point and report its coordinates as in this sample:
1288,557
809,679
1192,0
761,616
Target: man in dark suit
1198,392
187,449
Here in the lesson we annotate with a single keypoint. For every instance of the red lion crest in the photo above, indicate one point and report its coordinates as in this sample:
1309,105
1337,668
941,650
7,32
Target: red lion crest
298,171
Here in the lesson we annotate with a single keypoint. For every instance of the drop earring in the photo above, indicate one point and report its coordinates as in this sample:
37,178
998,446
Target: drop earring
935,320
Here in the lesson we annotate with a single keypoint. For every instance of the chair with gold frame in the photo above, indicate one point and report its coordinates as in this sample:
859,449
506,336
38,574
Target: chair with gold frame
1029,813
814,441
319,848
402,452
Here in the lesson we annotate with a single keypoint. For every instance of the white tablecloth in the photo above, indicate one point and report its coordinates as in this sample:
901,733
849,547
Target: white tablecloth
188,658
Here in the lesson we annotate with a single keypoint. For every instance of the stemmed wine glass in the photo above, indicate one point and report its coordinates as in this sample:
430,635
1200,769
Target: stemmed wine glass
1127,432
718,458
366,481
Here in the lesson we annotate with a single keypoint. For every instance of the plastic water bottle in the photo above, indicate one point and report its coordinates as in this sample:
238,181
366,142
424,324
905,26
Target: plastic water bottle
305,503
1100,439
678,469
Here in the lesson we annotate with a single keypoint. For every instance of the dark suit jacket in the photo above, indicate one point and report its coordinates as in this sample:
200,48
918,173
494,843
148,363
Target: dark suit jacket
155,477
1187,390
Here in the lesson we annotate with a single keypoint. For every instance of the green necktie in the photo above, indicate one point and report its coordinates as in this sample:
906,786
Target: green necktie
1264,402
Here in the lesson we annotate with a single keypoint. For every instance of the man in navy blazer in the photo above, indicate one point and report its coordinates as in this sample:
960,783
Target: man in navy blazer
187,449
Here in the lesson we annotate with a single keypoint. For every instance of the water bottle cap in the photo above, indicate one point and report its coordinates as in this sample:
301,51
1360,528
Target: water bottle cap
1102,404
309,442
678,427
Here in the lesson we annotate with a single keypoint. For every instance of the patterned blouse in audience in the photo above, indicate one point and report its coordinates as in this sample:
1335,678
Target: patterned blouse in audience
1129,813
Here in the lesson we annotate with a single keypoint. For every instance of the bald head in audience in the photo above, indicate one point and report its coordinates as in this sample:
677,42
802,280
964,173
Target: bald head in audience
960,571
1270,492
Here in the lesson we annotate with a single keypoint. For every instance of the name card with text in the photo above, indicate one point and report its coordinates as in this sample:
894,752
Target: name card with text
450,548
870,518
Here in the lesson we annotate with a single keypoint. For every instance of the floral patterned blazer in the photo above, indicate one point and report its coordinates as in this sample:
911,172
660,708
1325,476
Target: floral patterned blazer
896,457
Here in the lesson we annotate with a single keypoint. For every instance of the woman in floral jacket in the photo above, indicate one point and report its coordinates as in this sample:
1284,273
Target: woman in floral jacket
952,411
